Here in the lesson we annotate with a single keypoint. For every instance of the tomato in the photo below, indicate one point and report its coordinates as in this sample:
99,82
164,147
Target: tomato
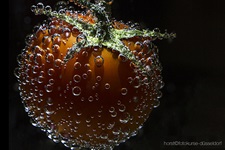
88,80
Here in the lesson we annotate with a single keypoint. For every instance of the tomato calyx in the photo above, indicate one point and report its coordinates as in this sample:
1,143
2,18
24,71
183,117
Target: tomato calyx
101,32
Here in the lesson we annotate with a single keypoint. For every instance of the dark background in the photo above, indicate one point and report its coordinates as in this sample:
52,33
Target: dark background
193,104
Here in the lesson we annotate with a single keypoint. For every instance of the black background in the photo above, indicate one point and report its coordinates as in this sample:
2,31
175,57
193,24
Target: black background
192,108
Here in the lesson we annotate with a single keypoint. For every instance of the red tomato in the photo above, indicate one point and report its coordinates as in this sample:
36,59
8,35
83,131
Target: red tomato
88,87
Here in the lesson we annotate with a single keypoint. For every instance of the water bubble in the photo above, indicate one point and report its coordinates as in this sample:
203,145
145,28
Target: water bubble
77,65
85,54
124,91
38,59
122,58
58,63
159,94
135,99
111,109
81,38
41,79
90,98
114,114
51,71
48,9
85,76
49,88
76,91
99,60
66,32
137,82
49,58
107,86
79,113
49,101
122,108
138,46
125,117
156,103
55,48
77,78
17,72
98,78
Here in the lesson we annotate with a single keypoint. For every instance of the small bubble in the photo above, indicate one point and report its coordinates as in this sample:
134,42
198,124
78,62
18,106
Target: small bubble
77,65
138,46
114,114
124,91
111,109
17,72
99,60
98,78
58,63
122,58
91,98
156,103
51,81
76,91
49,101
49,88
125,117
135,99
55,48
107,86
41,79
159,94
51,71
122,108
85,54
79,113
85,76
76,78
49,58
81,38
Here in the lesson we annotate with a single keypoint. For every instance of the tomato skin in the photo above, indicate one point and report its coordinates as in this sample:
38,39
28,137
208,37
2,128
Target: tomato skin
99,97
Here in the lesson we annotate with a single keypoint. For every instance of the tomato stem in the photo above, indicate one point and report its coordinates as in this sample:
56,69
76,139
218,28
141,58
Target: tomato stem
101,32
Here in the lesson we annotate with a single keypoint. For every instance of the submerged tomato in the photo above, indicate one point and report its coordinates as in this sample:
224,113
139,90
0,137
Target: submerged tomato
88,87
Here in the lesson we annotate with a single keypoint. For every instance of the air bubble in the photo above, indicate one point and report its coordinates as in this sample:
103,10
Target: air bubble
77,65
111,109
99,60
17,72
122,58
98,78
55,48
125,117
49,101
51,71
85,76
124,91
91,98
122,108
51,81
76,91
48,9
49,88
81,38
58,63
107,86
156,103
138,46
49,58
77,78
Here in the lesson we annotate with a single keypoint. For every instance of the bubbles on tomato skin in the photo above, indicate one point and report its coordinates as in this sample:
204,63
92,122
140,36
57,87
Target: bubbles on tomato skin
99,61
